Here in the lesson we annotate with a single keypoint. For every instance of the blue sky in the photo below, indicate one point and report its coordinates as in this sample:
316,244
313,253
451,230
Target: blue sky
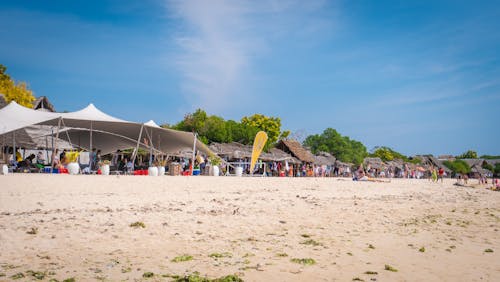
417,76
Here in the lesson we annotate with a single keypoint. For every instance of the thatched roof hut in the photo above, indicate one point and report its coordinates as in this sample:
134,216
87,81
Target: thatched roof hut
233,150
375,163
324,158
42,104
277,155
397,163
477,171
294,148
430,161
236,150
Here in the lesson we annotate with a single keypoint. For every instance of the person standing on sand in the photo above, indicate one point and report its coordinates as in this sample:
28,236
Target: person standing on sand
434,175
441,174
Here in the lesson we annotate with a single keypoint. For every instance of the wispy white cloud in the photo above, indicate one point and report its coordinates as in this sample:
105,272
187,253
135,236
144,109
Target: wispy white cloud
220,42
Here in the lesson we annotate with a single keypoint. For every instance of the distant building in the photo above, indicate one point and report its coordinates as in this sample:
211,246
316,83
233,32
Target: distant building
42,103
446,158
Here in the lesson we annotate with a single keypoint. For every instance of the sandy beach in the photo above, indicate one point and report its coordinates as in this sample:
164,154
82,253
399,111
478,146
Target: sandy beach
62,226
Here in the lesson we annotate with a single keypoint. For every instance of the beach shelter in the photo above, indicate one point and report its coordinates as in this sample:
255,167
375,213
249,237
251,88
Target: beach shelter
98,128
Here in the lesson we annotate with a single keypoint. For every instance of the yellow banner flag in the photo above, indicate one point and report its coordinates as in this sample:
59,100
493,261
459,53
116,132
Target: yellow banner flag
258,145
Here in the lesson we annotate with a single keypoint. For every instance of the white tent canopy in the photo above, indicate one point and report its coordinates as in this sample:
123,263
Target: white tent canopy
99,129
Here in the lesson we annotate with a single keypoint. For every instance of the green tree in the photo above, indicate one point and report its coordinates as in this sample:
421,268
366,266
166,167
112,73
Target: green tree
468,155
211,128
488,166
388,154
15,91
496,170
271,125
239,132
489,157
194,122
457,166
342,147
215,130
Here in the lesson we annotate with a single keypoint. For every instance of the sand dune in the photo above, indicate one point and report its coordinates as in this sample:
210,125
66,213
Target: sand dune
63,226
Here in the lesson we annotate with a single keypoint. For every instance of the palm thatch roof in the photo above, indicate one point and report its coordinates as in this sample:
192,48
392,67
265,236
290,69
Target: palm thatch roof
296,150
237,150
397,163
375,163
42,104
479,170
492,161
233,150
429,160
324,158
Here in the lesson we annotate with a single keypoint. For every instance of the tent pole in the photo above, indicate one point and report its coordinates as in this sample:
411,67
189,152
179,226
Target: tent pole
150,146
67,134
55,148
90,147
52,139
14,145
46,147
134,154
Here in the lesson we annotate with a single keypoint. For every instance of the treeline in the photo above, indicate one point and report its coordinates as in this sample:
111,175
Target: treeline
212,128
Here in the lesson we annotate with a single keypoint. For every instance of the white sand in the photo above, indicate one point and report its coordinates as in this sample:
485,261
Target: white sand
83,228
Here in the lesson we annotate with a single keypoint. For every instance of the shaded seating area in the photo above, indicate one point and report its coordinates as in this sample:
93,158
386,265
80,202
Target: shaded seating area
85,130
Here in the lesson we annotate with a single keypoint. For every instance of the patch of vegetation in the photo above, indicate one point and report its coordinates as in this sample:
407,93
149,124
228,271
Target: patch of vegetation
422,250
2,274
32,231
148,274
370,246
488,251
195,277
18,275
248,255
311,242
305,235
182,258
357,279
281,255
371,272
72,279
126,270
390,268
349,253
304,261
138,224
220,255
36,274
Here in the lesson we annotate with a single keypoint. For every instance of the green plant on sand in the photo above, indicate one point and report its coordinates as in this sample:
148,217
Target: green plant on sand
390,268
138,224
304,261
182,258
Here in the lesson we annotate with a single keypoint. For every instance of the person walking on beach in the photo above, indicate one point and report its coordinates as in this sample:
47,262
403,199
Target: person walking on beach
434,175
441,174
